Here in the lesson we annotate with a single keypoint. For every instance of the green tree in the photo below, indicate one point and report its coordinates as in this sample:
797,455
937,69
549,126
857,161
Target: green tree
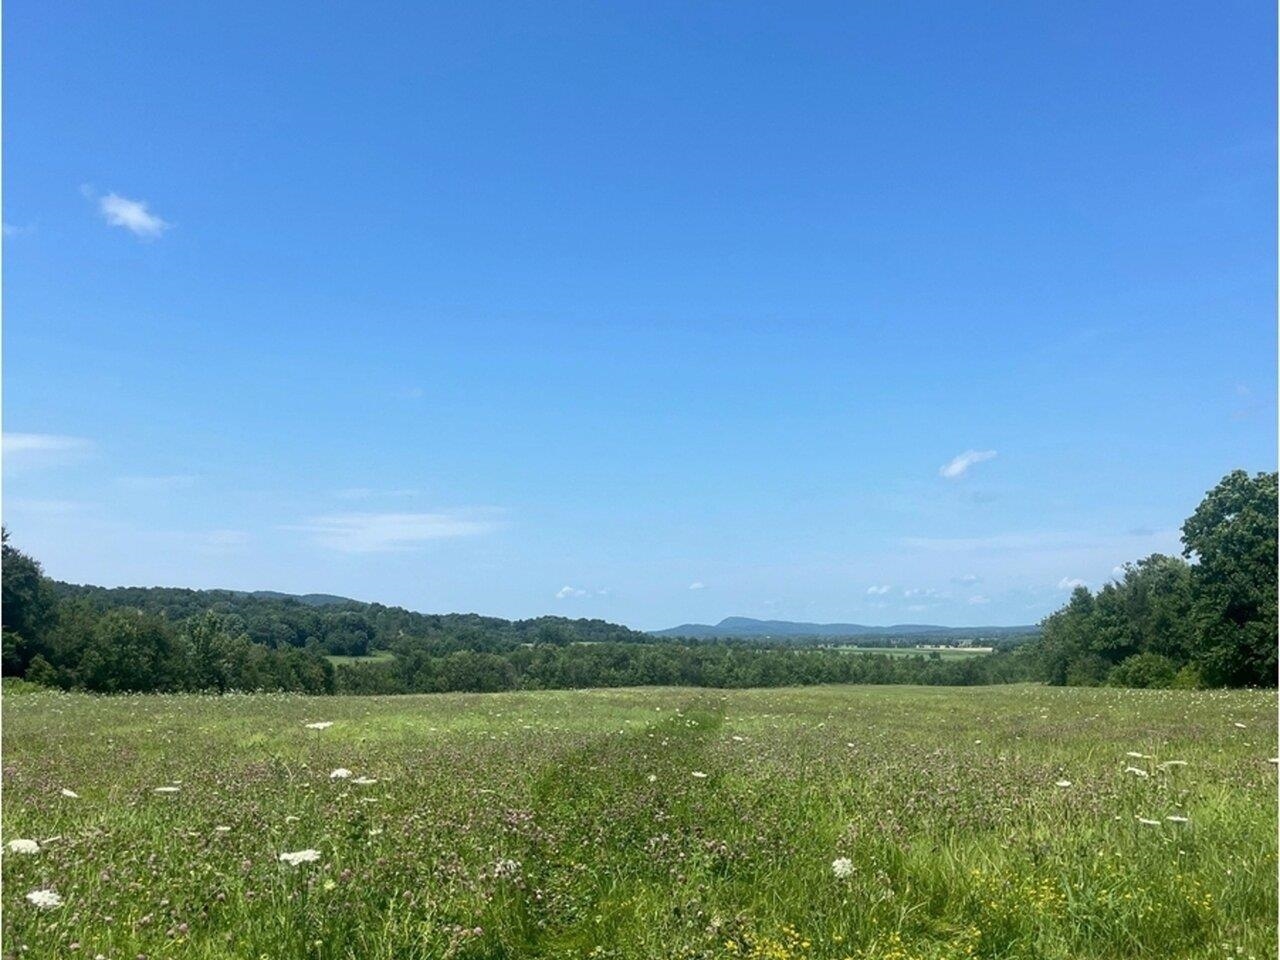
1232,539
28,607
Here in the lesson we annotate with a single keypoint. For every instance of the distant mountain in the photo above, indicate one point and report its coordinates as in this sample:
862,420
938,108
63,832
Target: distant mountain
307,599
746,627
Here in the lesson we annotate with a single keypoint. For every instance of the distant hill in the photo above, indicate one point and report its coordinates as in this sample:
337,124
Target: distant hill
747,628
306,599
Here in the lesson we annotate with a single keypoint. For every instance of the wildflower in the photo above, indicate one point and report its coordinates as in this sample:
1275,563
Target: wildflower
1238,725
70,793
699,775
365,781
1175,818
45,899
506,869
1147,823
1137,756
842,867
300,856
221,829
653,778
1136,772
24,846
339,774
167,789
320,725
290,818
1063,783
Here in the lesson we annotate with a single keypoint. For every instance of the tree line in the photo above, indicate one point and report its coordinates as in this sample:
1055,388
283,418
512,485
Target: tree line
1206,618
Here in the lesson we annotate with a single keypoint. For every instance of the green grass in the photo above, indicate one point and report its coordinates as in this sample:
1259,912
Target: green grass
949,653
570,824
378,656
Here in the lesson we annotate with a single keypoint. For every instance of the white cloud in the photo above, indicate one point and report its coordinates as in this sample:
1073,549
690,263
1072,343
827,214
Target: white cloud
978,599
158,484
42,449
1070,583
697,585
378,532
966,580
959,465
927,592
567,591
57,508
879,591
133,215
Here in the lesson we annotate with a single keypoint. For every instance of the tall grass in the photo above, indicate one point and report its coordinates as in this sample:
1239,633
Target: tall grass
571,824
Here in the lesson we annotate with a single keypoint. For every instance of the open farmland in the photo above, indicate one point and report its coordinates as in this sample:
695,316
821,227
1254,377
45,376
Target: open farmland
987,822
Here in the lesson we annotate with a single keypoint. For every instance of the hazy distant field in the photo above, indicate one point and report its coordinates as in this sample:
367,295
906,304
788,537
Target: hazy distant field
645,823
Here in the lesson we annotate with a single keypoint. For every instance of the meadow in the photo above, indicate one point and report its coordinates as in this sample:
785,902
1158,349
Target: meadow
824,822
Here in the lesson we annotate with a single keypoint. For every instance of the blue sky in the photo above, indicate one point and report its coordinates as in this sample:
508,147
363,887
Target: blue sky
655,313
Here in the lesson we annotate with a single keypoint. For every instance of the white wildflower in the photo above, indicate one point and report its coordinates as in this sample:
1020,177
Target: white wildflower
842,867
1136,772
45,899
24,846
699,775
1175,818
320,725
221,829
1238,725
1147,823
70,793
1063,783
653,778
339,774
300,856
168,789
365,781
507,869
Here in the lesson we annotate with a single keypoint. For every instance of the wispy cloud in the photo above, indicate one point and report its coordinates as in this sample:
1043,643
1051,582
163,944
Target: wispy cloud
978,600
369,493
380,532
697,585
54,508
1070,583
567,591
132,215
966,580
43,449
878,591
157,484
959,465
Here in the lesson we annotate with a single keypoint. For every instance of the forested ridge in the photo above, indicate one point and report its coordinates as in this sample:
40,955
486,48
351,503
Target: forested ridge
1207,618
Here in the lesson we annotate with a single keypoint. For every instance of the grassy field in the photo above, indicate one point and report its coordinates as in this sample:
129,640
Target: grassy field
980,822
947,653
378,656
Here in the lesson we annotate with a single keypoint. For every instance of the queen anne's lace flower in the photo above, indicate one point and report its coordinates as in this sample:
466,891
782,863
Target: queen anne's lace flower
842,867
24,846
45,899
300,856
